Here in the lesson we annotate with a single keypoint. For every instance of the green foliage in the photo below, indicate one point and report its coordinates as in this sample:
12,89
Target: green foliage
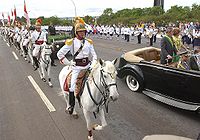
57,37
54,20
195,12
108,12
153,14
106,16
89,19
131,16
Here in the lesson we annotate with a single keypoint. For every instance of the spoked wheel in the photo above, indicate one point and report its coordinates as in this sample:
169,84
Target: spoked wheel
134,82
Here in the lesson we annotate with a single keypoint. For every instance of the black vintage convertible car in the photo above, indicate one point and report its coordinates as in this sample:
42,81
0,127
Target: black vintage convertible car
143,72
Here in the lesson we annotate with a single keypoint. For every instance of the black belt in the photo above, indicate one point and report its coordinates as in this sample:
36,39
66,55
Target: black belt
82,62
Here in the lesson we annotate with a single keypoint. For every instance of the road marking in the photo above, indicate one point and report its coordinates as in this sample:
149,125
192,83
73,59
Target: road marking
42,95
15,55
60,93
8,44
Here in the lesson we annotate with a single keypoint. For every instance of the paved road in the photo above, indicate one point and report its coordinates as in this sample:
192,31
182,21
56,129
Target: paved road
23,114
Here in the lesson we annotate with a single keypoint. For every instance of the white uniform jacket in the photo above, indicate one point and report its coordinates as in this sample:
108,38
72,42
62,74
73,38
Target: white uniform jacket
35,35
73,45
38,42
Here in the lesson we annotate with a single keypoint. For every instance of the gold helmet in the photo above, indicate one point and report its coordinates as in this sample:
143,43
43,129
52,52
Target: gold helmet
38,22
80,27
78,20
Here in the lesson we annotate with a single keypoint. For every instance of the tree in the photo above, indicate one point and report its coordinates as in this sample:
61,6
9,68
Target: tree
108,12
106,16
156,14
156,11
195,12
89,19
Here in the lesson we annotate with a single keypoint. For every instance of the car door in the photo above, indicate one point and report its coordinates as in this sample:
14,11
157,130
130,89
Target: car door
172,82
153,76
181,84
192,91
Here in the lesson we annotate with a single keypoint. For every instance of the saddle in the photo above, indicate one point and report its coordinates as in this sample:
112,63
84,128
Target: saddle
79,83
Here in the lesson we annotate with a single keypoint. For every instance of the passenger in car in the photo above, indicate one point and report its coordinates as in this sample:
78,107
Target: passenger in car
195,59
168,50
177,40
184,62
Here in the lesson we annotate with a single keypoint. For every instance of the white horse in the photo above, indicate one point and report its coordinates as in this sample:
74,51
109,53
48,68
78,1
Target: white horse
45,64
99,89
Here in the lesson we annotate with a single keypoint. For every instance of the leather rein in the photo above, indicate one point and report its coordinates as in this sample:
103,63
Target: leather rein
105,92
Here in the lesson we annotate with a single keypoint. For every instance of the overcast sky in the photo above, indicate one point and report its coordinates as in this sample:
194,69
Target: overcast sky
65,8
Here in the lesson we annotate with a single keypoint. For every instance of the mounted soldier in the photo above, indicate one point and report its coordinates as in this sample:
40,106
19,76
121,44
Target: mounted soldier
38,38
81,48
17,34
25,41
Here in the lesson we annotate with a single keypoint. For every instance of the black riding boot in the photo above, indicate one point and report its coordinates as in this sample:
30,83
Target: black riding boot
71,102
36,63
25,50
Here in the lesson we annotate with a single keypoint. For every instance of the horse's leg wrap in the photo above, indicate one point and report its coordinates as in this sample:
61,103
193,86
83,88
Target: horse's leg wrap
71,102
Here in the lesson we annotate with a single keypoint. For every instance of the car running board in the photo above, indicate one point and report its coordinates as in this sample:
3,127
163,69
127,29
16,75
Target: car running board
167,100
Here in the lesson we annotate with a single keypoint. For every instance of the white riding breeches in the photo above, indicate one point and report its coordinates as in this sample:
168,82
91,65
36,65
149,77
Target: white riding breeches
18,38
75,72
25,42
36,50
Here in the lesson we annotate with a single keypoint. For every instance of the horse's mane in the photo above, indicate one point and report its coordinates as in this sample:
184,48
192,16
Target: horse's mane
97,65
110,68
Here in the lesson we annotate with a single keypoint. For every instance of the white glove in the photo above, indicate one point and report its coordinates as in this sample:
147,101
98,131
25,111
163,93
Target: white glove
44,44
67,62
72,63
169,57
94,62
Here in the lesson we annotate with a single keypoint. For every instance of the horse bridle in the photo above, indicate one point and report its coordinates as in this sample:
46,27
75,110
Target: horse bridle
105,93
104,84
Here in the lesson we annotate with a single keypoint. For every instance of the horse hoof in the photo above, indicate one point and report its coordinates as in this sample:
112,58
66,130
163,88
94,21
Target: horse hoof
75,116
66,111
69,110
97,127
90,138
44,80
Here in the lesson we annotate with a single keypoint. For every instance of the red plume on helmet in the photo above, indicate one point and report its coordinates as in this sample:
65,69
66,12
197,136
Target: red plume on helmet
38,22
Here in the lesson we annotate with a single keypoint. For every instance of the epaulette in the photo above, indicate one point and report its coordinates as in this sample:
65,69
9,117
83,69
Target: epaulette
90,41
69,42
